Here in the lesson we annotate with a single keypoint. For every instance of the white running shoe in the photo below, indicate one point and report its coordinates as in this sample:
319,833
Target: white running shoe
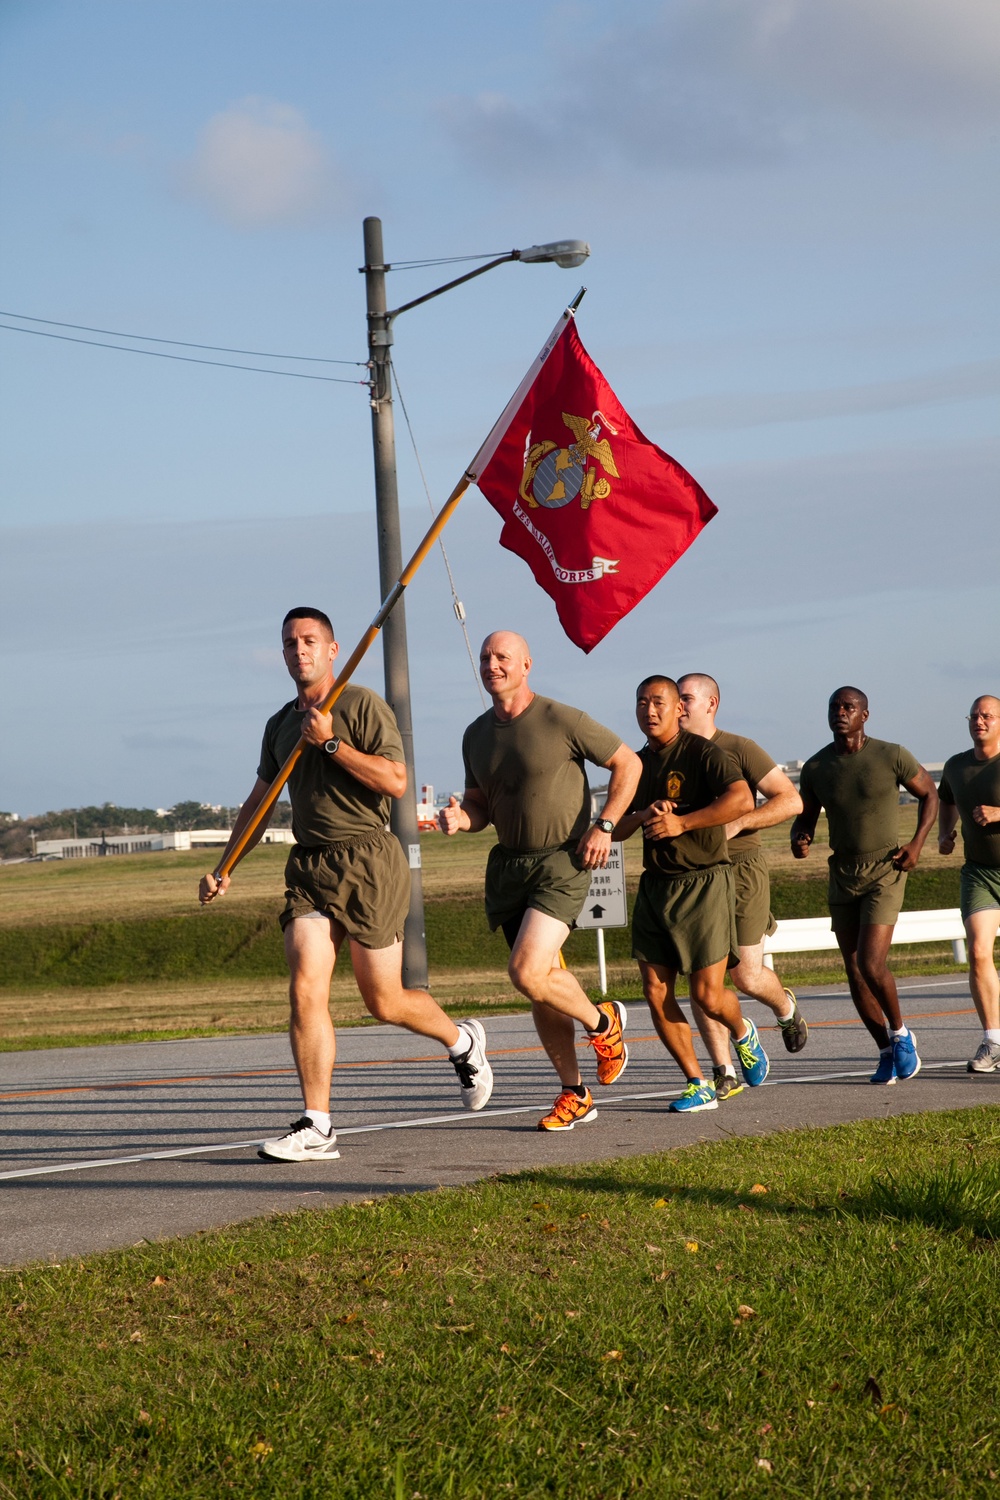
986,1060
474,1072
302,1143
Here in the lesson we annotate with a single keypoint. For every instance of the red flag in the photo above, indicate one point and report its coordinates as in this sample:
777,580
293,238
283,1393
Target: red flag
597,511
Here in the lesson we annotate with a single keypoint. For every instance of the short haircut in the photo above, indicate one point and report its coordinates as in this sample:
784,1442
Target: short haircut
703,680
302,613
657,677
855,692
986,698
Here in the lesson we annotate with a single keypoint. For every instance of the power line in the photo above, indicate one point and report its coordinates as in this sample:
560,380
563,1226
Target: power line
147,338
188,359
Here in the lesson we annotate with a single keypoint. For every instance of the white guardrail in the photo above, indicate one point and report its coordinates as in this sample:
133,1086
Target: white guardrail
810,934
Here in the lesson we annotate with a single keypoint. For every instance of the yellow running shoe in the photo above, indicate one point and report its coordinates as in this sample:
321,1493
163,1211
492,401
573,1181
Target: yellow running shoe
612,1053
569,1110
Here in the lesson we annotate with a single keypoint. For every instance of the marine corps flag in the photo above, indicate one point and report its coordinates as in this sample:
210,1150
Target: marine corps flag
597,511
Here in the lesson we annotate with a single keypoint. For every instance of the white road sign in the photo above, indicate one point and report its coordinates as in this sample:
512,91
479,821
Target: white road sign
605,905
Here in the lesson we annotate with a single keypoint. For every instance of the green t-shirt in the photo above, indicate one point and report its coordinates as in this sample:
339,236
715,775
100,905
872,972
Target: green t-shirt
965,783
753,764
690,772
328,804
530,770
860,793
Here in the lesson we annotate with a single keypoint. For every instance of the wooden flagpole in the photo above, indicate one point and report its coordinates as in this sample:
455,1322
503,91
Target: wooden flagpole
440,521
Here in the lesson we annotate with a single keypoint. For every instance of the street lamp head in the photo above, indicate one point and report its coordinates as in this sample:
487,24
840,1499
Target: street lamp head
565,253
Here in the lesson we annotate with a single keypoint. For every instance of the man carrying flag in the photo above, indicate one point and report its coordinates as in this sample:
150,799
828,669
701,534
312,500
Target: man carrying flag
524,774
346,878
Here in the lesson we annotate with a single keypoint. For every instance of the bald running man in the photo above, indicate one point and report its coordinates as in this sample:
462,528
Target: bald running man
857,780
684,919
347,880
699,695
524,773
970,791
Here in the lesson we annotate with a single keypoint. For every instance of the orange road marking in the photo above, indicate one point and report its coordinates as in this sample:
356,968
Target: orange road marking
153,1083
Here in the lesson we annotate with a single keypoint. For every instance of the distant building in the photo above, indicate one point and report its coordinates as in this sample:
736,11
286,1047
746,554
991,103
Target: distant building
146,843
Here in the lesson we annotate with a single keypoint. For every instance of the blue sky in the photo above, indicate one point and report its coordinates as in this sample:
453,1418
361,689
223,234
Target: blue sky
793,213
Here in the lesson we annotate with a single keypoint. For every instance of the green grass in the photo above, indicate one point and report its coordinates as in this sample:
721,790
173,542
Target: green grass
244,942
661,1326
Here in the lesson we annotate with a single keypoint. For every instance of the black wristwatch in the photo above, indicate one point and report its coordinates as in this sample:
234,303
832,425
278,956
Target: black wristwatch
332,746
604,824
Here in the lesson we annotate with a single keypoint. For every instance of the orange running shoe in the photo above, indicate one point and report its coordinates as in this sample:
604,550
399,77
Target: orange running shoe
612,1053
569,1110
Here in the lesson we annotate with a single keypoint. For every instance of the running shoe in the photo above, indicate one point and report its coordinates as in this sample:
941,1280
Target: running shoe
904,1056
726,1084
698,1095
474,1072
302,1143
886,1070
986,1060
753,1060
612,1053
794,1032
569,1110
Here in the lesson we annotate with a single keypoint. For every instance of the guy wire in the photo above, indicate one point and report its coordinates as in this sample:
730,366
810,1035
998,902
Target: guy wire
456,603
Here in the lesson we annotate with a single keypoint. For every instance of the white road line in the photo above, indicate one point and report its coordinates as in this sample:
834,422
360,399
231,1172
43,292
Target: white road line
450,1119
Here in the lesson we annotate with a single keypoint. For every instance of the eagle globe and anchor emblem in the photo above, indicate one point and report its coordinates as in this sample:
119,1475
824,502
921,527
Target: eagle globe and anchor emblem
554,476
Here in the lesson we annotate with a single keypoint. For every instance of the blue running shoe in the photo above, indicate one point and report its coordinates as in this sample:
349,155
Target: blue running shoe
904,1056
697,1095
753,1060
886,1070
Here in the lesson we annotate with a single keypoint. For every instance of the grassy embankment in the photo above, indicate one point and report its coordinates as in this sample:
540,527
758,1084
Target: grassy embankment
115,948
800,1315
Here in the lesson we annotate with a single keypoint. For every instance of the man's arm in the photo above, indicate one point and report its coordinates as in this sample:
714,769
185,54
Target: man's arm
208,886
985,814
804,828
626,826
664,823
947,826
626,768
471,815
782,802
373,771
922,787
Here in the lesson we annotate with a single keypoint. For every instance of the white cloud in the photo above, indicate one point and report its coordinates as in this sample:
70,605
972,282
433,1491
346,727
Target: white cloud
756,408
259,165
718,83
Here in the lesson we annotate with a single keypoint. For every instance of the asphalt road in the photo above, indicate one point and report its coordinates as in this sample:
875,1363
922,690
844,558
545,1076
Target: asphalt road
104,1147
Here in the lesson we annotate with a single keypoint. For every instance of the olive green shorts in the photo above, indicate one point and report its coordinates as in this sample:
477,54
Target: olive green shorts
866,889
546,880
754,918
362,883
686,922
980,889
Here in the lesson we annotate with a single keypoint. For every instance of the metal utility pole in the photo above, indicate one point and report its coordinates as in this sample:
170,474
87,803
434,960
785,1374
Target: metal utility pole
403,817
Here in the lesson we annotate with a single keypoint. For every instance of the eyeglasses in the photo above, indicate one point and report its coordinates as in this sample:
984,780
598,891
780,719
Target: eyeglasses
985,718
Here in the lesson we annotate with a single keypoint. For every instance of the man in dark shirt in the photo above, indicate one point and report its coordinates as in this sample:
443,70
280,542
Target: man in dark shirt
857,780
970,790
684,919
751,880
346,877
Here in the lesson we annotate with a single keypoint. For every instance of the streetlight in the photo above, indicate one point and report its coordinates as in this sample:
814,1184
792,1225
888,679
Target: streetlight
403,818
